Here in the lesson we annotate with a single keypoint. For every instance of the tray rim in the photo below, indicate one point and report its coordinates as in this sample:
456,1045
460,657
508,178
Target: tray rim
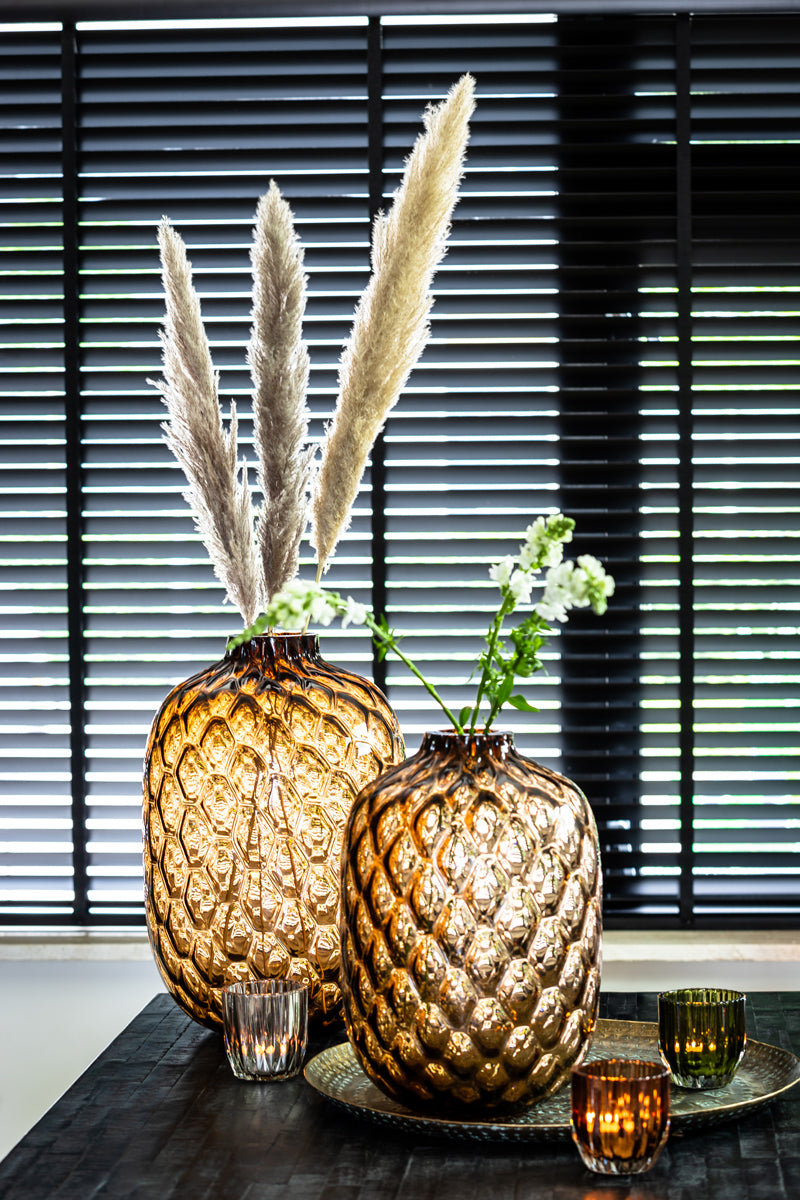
521,1127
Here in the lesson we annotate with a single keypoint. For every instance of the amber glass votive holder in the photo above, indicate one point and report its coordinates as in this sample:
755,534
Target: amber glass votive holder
702,1035
620,1114
266,1028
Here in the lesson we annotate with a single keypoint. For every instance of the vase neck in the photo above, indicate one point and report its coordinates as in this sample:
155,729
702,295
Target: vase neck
468,745
271,649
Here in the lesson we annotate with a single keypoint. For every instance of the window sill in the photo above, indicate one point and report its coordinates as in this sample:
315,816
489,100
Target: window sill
619,946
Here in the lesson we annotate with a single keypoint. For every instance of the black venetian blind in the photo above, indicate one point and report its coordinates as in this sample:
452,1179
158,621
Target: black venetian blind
616,335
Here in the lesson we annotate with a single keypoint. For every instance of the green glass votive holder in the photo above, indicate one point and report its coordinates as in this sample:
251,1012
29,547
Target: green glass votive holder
701,1035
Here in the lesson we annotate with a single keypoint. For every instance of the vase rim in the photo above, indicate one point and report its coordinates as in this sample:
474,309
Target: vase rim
279,633
260,639
290,643
438,738
449,731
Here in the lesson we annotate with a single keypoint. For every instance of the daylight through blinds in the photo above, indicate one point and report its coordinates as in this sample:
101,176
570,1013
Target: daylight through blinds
615,335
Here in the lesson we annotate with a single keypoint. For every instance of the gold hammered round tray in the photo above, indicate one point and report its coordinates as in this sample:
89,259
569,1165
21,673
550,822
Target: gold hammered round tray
765,1072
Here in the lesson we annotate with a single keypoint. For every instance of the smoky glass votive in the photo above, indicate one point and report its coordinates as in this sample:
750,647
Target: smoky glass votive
620,1114
266,1028
702,1035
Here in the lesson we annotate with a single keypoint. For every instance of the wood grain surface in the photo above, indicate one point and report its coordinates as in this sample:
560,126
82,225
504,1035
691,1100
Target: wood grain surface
160,1115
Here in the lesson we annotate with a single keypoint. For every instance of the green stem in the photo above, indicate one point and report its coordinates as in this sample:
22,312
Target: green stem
491,643
496,706
387,640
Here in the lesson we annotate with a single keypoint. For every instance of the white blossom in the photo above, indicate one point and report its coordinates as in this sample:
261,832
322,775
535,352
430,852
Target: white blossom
520,585
599,585
354,613
285,610
544,542
302,602
514,583
574,585
298,603
564,588
567,585
501,571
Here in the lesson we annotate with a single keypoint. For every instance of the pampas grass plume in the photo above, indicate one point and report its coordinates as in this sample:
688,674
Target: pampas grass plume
279,367
391,326
256,555
220,501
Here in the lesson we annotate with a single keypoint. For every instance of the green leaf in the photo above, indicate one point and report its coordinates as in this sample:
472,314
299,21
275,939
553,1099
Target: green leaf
464,715
504,691
520,703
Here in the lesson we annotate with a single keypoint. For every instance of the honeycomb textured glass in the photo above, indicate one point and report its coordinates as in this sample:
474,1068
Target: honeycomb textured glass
471,927
251,769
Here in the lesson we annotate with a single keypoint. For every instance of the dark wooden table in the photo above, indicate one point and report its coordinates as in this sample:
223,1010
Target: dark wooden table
160,1115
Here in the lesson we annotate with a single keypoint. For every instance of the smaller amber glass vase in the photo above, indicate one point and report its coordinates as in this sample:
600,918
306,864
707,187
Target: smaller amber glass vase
250,772
471,937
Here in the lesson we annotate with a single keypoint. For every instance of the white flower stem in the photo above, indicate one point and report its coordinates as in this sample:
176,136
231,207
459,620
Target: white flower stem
386,639
496,705
491,644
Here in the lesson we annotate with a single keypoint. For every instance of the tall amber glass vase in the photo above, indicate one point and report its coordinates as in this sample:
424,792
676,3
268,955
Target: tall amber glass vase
251,769
471,935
